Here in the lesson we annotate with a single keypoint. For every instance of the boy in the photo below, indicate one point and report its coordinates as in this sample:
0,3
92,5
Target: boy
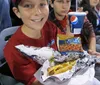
35,31
59,16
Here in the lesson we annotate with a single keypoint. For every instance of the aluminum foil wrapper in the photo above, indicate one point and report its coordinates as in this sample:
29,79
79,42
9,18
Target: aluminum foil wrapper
83,63
40,55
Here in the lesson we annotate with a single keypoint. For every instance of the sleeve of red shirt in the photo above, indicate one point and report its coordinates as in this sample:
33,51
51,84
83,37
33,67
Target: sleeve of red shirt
52,33
22,68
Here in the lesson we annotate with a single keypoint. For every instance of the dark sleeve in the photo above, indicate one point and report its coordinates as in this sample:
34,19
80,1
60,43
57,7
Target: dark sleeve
87,31
89,27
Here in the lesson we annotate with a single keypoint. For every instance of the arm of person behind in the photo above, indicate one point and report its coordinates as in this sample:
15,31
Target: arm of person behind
89,33
92,38
92,44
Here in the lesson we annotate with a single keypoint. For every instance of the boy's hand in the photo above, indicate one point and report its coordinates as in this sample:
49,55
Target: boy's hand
68,32
80,9
94,53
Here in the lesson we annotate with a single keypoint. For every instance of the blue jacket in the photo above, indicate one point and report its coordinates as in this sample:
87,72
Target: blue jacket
5,20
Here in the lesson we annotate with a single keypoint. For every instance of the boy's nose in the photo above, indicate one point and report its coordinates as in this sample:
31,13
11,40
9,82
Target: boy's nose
37,11
64,5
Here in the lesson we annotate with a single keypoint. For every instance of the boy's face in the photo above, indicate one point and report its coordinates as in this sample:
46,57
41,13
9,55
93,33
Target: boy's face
93,3
61,7
34,13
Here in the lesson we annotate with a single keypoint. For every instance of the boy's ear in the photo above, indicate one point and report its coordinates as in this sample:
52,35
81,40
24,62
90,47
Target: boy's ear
16,11
51,4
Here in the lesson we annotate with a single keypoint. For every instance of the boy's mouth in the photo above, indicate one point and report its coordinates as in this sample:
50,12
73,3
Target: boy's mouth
37,20
64,11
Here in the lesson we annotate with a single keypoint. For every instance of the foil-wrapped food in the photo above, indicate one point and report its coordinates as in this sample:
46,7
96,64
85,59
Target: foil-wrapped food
46,53
55,65
62,71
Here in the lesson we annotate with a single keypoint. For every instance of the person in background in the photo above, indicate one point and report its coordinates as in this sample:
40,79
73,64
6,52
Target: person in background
59,16
93,16
5,19
89,5
98,8
36,31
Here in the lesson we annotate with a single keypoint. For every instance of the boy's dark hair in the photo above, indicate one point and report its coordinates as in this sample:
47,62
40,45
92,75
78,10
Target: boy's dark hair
52,1
15,20
54,20
16,2
83,2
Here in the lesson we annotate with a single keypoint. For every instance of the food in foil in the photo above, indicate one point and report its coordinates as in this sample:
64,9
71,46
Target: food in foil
40,55
46,53
65,70
56,65
67,57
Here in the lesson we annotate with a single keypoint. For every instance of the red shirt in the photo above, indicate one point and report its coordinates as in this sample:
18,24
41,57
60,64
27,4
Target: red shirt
22,67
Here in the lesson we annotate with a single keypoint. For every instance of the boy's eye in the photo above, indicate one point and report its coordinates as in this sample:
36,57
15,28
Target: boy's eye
68,1
59,0
43,4
28,6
